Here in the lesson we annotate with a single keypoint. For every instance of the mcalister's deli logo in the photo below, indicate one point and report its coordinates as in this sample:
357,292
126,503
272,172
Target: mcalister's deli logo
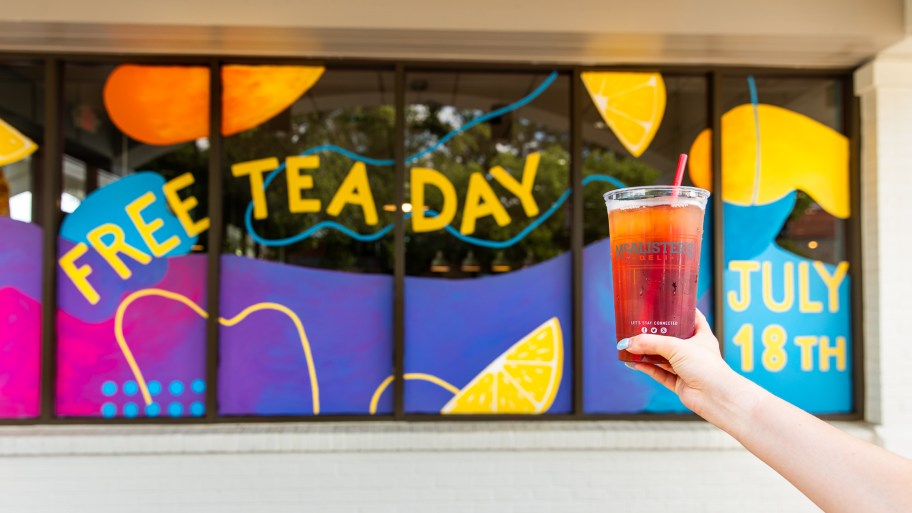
655,250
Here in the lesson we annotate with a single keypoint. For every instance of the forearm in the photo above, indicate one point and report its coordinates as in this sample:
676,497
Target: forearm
835,470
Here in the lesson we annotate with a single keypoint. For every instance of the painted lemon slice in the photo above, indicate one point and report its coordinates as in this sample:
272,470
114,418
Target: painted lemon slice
524,379
631,104
13,145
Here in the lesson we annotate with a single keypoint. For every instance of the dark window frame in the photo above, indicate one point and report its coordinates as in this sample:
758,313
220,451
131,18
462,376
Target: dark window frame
48,189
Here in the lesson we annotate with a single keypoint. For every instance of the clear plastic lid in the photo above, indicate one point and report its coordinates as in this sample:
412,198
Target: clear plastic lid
656,195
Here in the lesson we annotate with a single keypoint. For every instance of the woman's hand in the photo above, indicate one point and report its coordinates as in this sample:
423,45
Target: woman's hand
837,471
696,370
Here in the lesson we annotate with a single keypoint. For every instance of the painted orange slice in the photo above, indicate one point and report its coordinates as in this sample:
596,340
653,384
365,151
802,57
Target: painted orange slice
164,105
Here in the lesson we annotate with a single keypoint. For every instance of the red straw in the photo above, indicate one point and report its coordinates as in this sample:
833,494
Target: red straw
679,173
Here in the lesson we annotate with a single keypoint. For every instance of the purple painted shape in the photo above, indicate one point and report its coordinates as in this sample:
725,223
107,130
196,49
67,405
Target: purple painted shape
20,354
110,287
167,338
348,322
705,305
20,257
455,328
608,385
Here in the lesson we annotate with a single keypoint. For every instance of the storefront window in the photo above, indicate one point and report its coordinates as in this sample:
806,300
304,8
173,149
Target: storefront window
488,287
131,326
312,305
21,135
635,125
785,186
307,287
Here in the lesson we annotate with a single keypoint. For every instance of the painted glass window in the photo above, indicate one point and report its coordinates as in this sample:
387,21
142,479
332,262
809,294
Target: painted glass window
785,186
131,326
488,286
21,134
307,289
634,126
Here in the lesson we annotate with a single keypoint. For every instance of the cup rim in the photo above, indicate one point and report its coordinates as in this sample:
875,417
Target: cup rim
691,192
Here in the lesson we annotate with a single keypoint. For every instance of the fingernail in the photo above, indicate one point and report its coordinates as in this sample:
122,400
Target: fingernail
630,365
623,344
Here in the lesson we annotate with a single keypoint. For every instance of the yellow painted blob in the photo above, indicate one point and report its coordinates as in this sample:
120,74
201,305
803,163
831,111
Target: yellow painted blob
164,105
795,153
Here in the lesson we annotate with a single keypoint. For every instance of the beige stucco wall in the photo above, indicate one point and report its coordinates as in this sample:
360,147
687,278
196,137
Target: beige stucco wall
784,17
814,33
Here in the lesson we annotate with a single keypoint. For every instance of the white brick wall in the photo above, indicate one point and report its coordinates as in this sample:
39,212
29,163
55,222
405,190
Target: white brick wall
546,467
495,481
885,89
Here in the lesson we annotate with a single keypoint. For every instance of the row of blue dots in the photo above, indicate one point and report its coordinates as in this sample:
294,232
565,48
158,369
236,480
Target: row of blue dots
130,388
131,410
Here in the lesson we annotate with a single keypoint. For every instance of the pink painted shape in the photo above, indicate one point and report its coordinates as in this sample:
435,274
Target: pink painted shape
20,354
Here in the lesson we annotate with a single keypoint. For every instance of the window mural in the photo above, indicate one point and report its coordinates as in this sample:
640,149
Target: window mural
634,127
131,270
785,186
308,256
488,291
308,195
20,244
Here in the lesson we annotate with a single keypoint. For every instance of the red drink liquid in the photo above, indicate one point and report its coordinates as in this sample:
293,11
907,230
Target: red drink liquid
655,256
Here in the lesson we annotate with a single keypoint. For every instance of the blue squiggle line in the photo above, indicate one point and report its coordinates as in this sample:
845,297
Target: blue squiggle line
519,236
490,115
755,102
752,87
604,179
248,215
372,237
369,237
379,234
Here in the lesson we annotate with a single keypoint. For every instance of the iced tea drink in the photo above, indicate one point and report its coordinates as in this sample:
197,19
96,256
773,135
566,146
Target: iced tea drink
656,234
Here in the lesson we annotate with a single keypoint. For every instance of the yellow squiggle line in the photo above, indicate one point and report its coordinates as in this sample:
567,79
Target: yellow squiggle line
419,376
137,373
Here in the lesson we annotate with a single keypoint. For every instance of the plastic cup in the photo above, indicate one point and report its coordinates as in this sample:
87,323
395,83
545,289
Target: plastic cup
656,233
